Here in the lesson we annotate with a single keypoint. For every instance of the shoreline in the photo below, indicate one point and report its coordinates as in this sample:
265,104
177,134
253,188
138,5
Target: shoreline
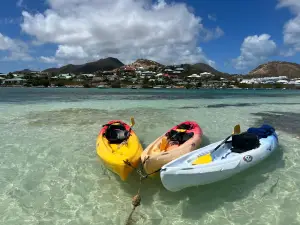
154,88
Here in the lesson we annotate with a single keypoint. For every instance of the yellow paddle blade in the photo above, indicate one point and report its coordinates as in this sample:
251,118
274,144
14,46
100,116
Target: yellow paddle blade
204,159
132,121
164,143
237,129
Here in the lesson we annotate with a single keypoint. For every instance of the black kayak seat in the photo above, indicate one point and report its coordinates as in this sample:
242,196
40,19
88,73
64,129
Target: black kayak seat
180,137
116,134
244,142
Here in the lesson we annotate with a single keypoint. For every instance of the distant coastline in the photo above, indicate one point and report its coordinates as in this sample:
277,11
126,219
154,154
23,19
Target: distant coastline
243,87
149,74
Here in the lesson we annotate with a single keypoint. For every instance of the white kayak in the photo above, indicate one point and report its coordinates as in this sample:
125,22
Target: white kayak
206,165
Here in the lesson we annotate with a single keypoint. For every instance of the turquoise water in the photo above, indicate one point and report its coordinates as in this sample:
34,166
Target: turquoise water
50,172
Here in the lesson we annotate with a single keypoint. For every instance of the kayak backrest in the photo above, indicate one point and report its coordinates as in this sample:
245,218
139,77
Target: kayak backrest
116,133
244,142
179,135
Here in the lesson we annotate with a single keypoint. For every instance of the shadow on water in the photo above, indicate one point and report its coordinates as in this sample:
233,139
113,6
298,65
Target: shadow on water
197,201
205,141
151,185
285,121
207,198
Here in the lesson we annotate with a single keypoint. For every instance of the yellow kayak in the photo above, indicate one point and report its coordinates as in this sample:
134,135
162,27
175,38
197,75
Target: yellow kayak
117,145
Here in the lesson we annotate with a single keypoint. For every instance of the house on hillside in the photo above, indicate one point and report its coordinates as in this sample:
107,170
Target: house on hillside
14,81
194,76
2,80
206,74
180,69
168,70
66,76
140,68
113,78
19,75
128,70
88,75
148,73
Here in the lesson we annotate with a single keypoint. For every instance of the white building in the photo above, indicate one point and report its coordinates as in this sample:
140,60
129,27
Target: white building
194,76
66,76
88,75
206,74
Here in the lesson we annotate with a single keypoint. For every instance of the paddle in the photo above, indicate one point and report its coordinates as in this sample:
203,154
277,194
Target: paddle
236,130
208,158
132,122
164,143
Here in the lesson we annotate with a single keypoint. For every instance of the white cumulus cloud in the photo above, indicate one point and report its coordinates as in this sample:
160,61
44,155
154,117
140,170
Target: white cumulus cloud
291,30
15,49
127,29
254,51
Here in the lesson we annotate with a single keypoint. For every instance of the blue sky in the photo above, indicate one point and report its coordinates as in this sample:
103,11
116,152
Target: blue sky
233,36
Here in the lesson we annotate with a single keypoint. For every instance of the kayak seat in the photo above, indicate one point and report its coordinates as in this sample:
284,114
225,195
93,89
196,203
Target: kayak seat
179,136
116,134
244,142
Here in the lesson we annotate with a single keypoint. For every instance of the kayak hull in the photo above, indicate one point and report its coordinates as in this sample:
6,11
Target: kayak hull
114,156
181,173
153,158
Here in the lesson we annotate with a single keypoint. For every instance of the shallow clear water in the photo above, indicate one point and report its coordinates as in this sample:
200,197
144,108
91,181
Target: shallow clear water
50,172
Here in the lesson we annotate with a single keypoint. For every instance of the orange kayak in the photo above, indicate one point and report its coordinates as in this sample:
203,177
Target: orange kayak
179,140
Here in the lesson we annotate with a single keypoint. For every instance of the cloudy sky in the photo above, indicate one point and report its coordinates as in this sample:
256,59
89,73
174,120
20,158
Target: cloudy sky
233,36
